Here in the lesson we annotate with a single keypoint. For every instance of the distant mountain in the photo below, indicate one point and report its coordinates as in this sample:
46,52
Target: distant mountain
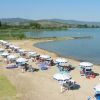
48,22
75,22
14,20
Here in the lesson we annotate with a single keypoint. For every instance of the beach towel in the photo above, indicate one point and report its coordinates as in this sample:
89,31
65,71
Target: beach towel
11,67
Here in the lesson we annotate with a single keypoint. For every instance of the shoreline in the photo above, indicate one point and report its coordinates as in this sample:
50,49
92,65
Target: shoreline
68,58
45,77
52,54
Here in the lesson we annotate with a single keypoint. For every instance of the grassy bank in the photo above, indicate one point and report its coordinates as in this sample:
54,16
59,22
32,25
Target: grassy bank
29,29
12,36
20,36
7,90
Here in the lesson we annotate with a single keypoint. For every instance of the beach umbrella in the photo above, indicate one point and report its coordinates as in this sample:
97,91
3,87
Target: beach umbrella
31,53
1,49
86,64
8,44
64,64
49,59
61,60
21,50
1,41
45,56
97,89
16,47
5,54
11,46
61,76
4,42
35,55
12,57
21,60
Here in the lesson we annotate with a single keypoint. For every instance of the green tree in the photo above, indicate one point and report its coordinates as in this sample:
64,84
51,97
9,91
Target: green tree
0,24
21,36
83,26
35,25
92,26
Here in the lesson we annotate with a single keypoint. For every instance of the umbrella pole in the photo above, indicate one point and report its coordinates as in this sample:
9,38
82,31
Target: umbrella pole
61,88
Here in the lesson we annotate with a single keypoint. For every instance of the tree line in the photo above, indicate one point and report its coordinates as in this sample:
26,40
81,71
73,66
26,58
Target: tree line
36,25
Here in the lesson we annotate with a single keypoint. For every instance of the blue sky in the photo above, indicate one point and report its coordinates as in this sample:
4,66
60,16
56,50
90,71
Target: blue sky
86,10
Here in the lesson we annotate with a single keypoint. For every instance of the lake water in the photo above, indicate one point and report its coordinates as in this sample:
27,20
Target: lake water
80,49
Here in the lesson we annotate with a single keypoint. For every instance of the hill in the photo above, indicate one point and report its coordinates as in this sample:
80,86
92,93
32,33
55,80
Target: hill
15,21
51,23
75,22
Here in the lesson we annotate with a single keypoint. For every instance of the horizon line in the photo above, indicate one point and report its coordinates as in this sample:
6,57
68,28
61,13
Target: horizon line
46,19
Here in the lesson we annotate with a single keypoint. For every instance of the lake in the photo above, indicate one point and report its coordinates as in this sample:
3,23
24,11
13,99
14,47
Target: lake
79,49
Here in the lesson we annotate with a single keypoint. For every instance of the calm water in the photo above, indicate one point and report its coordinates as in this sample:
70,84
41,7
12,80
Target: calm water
81,49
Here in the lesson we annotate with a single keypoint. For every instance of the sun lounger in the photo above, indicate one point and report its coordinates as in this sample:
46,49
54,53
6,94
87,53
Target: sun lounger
31,69
69,85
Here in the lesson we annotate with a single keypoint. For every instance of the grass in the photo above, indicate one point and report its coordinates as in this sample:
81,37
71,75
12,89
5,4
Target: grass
7,90
10,36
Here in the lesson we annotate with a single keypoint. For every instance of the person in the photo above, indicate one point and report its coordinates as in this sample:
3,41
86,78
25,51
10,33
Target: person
52,62
26,66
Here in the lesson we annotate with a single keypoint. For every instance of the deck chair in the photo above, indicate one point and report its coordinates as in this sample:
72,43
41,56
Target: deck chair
43,66
68,85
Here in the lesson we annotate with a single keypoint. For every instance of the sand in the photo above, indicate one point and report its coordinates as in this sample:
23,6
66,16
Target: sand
41,86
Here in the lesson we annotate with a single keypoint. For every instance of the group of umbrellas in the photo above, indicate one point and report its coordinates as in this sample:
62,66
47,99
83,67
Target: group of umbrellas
30,54
10,56
60,76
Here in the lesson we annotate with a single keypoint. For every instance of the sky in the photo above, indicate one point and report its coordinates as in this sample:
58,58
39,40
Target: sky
84,10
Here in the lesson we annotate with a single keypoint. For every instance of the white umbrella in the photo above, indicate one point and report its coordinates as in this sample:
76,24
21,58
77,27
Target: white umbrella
21,50
12,57
1,41
49,59
5,54
45,56
31,53
97,89
16,47
1,49
63,64
35,55
86,64
61,76
20,60
4,42
11,46
61,60
8,44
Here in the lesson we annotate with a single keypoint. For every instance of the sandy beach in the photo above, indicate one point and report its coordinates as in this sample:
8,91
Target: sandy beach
41,85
